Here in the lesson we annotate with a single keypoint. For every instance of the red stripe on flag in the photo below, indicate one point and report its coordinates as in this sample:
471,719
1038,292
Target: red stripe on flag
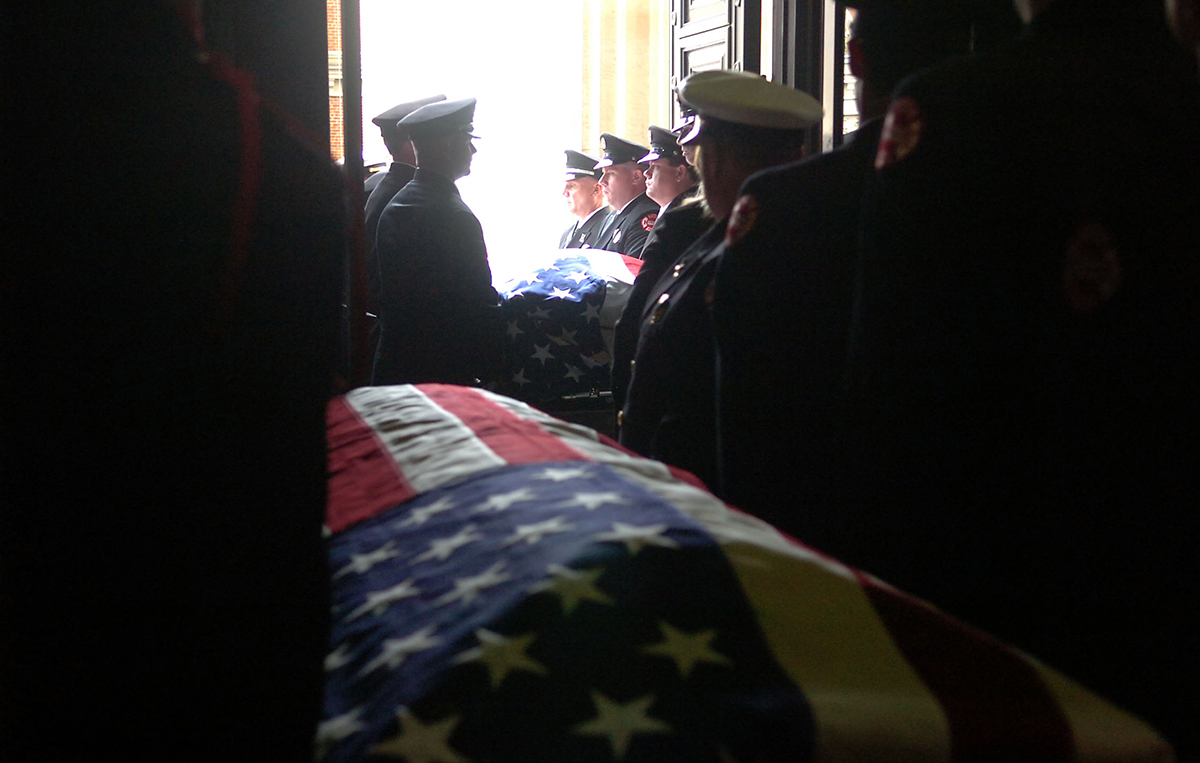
516,440
363,477
633,263
996,704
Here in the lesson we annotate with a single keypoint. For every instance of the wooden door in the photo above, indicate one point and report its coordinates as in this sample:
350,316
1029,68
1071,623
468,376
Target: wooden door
713,34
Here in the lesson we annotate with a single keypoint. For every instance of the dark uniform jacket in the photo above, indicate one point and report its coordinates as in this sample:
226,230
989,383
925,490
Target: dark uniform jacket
1023,361
172,341
585,234
438,313
783,298
372,182
675,230
393,179
626,231
669,413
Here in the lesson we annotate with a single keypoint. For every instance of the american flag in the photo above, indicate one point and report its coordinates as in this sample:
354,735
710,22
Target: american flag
510,587
553,337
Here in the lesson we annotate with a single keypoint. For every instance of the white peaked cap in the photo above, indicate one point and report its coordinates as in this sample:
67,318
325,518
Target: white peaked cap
748,99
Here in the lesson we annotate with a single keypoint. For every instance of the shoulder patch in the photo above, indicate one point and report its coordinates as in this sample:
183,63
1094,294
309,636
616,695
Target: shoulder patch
648,221
901,132
1092,270
741,219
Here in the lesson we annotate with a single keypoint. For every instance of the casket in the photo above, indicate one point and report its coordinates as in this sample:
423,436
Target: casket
511,587
559,322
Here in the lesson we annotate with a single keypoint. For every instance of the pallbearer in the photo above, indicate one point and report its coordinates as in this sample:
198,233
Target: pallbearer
746,123
585,200
439,315
624,184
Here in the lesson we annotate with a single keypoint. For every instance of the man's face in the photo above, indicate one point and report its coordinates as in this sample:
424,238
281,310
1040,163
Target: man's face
461,149
583,196
622,183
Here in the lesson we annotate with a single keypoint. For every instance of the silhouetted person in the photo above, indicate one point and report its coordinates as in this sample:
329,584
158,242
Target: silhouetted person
382,186
670,412
171,334
1023,363
784,290
439,317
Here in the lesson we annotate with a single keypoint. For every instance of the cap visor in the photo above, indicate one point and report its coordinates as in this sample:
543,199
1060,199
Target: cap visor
693,133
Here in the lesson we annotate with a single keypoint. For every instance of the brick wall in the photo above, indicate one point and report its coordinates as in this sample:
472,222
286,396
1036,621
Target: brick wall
337,135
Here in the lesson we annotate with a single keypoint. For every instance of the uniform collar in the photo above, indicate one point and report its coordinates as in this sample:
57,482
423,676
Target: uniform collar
630,204
595,212
435,179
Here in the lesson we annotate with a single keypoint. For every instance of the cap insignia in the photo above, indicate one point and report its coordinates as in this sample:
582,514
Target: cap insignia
741,220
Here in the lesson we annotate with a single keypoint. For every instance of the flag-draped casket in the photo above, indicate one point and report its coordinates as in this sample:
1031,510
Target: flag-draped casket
559,321
510,587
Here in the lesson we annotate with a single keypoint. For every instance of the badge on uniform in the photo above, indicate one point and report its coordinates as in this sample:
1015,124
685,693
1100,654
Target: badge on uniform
741,220
901,132
616,236
648,221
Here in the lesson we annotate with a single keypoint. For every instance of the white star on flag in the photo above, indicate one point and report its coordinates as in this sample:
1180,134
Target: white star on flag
519,378
395,651
542,353
421,743
502,655
468,589
360,563
338,658
592,313
531,534
572,586
573,373
563,474
636,537
512,330
502,501
686,649
560,293
540,312
442,548
579,277
422,515
379,601
338,728
619,722
593,501
598,359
